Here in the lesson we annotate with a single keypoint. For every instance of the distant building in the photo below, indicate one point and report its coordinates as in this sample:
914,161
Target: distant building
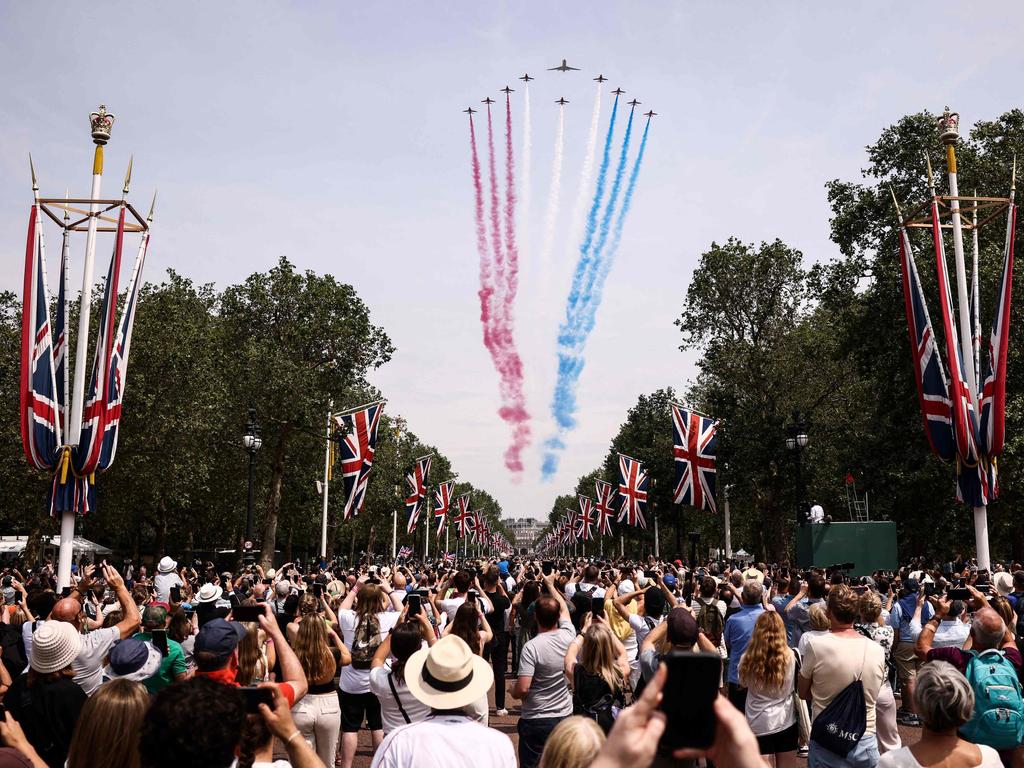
524,532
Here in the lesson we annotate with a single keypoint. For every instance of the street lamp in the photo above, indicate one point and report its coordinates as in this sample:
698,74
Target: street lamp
796,441
252,442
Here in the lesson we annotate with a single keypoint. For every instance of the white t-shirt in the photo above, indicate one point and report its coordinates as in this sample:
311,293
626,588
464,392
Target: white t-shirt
88,666
904,758
640,628
354,680
163,582
451,606
448,741
390,714
593,590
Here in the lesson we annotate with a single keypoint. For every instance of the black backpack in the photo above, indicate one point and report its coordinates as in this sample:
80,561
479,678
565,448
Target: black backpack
840,726
601,710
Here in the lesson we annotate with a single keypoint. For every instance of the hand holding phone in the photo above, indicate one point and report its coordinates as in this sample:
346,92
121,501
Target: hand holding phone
247,613
688,700
413,601
160,641
255,696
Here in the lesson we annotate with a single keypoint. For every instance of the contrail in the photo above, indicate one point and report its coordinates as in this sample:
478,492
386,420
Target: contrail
511,251
496,244
524,176
576,222
606,263
486,277
551,215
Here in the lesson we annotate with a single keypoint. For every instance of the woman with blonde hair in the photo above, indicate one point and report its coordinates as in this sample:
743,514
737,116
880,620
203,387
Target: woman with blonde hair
873,627
317,715
107,732
598,666
768,671
574,743
817,617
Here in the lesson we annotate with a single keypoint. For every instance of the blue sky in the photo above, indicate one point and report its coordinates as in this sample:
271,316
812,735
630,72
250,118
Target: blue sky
331,133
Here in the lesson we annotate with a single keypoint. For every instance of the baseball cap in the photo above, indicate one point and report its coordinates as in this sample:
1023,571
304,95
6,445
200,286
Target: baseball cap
669,580
219,637
911,585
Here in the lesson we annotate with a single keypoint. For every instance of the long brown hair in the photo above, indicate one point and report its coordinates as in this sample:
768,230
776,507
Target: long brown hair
107,733
767,659
251,663
313,649
369,600
466,625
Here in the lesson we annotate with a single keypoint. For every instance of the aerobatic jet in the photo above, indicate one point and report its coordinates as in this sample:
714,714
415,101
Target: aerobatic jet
600,78
469,110
506,89
563,68
526,78
618,91
562,101
652,113
633,103
488,100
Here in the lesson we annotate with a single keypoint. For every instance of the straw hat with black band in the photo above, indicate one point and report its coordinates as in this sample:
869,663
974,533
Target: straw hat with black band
448,675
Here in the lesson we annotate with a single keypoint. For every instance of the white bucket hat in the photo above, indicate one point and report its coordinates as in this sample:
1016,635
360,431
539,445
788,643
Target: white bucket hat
448,675
209,593
166,565
55,644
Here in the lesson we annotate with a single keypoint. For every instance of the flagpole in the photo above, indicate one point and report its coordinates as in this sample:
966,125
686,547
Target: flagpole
728,530
657,547
64,264
427,529
949,123
327,476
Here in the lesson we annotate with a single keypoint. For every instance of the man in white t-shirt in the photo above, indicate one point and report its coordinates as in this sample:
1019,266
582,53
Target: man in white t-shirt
96,644
448,677
166,577
588,584
461,584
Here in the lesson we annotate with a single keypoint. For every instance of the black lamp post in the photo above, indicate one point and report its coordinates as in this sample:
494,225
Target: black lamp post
252,442
796,441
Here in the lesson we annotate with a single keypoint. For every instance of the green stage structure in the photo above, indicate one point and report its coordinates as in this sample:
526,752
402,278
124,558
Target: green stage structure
869,546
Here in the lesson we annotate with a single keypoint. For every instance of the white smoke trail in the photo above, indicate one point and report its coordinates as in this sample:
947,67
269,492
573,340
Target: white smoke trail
584,192
551,216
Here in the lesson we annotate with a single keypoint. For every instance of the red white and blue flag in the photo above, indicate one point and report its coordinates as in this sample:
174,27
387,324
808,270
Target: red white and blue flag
442,503
417,479
929,372
357,451
462,521
993,395
60,337
585,519
404,552
695,449
604,507
633,484
40,414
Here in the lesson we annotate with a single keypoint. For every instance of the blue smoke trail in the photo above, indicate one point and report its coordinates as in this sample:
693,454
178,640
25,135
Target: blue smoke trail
570,360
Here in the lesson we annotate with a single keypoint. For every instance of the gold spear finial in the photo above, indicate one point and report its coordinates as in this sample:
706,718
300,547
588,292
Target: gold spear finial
31,165
128,175
152,205
899,213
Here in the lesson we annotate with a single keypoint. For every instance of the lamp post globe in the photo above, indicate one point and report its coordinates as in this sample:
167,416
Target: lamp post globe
252,442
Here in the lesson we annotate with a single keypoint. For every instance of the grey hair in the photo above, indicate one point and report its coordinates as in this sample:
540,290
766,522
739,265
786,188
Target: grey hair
990,636
943,697
752,592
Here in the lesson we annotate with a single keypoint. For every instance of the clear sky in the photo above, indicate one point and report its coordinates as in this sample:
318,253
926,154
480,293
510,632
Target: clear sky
332,133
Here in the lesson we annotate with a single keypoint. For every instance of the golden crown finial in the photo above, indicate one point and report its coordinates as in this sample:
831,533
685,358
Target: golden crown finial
101,122
949,124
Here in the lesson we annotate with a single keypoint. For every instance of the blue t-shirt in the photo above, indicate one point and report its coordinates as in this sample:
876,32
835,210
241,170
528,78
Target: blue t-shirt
738,631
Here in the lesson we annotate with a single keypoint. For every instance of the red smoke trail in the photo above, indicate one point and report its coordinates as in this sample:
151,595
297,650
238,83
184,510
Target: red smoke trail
497,295
512,275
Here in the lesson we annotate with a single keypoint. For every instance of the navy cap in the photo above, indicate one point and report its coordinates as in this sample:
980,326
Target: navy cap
911,585
219,637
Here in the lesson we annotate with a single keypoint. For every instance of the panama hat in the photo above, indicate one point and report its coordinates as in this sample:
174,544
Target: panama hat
55,644
166,565
1003,582
448,675
209,593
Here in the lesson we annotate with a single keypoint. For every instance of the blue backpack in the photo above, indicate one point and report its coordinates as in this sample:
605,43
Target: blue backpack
998,719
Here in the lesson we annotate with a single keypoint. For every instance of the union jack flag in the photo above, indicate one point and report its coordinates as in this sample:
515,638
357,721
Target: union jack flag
604,507
417,480
357,451
929,372
404,552
696,443
993,395
462,520
448,557
633,484
40,419
442,502
585,520
119,361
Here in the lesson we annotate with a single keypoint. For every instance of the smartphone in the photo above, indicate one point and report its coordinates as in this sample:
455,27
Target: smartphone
688,700
415,606
318,589
255,696
268,582
175,594
65,592
471,596
547,567
597,606
929,590
247,612
160,641
959,593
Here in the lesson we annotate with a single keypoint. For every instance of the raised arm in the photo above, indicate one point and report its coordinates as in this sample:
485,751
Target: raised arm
128,625
549,582
291,668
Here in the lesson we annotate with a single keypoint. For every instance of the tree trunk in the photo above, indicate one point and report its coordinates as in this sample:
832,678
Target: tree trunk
190,544
34,546
160,528
288,545
274,498
369,544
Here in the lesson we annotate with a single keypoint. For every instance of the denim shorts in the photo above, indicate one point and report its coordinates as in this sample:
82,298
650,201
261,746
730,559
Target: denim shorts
864,755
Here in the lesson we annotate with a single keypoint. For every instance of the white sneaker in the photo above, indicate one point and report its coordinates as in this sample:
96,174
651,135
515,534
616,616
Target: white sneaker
501,713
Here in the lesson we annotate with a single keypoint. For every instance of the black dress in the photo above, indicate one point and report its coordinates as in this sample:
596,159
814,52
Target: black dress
47,713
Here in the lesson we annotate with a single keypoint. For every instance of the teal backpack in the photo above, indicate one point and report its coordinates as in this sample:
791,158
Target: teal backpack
998,719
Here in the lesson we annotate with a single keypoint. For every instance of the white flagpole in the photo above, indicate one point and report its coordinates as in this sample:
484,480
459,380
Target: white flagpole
976,313
728,530
394,535
327,474
657,548
949,124
428,528
65,259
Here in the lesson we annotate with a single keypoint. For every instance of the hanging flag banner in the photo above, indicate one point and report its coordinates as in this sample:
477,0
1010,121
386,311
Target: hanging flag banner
585,519
696,443
358,449
604,507
417,479
442,502
633,483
